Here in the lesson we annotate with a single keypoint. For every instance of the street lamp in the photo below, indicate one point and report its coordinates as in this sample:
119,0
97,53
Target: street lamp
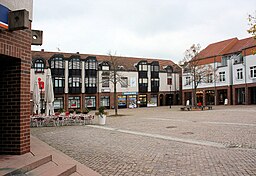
170,98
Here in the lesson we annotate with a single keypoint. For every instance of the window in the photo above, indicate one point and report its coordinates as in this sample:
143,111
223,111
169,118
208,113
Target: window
90,101
73,102
58,103
58,82
224,60
155,82
188,81
104,101
91,64
105,67
169,81
39,66
124,82
74,81
253,72
222,76
105,81
57,63
74,63
209,78
155,68
143,66
143,80
90,82
239,73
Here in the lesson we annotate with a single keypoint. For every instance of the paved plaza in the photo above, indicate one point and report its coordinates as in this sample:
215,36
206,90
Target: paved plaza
163,141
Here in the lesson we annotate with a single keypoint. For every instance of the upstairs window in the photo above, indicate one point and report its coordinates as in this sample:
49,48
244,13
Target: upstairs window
105,81
90,82
91,64
239,73
57,63
58,81
39,66
155,82
74,64
169,81
209,78
188,81
222,76
253,72
155,68
74,81
143,80
124,82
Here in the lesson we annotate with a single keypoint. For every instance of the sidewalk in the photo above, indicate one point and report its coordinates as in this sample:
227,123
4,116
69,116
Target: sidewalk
42,160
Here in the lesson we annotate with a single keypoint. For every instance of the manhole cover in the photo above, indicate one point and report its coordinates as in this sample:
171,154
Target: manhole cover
187,133
171,127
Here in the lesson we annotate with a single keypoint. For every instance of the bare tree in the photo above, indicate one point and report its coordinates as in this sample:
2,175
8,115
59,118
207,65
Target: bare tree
198,71
115,76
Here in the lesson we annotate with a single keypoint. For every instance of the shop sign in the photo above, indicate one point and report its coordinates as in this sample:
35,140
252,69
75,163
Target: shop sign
130,93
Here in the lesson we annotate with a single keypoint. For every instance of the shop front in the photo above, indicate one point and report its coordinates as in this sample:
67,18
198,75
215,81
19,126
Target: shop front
209,97
122,101
131,98
142,100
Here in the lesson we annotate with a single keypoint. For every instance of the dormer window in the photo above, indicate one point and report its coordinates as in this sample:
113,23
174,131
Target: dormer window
57,62
74,63
39,66
105,66
143,66
91,64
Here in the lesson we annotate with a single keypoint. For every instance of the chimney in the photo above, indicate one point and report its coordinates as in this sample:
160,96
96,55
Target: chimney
42,50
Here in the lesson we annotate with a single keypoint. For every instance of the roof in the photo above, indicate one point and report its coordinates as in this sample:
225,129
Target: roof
242,44
127,62
218,48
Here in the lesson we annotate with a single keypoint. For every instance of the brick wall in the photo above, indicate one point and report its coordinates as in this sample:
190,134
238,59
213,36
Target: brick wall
15,59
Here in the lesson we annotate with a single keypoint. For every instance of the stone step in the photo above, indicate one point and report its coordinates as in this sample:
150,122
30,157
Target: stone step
26,165
41,169
63,170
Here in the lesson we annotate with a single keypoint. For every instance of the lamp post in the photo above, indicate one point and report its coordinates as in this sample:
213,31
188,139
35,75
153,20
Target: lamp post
170,98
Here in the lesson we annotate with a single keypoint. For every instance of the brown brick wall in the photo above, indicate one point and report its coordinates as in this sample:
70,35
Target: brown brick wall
15,59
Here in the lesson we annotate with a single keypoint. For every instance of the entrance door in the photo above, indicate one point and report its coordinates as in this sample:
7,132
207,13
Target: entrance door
161,101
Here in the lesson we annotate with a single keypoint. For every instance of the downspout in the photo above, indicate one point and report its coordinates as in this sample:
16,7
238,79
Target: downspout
215,90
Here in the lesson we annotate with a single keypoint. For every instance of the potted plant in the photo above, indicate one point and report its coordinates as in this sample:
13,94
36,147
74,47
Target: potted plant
86,110
101,115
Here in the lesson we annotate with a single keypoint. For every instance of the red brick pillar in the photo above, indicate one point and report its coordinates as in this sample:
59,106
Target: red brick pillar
15,64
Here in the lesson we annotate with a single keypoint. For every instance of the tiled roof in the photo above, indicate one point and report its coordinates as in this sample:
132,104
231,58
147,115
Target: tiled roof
218,48
128,63
242,44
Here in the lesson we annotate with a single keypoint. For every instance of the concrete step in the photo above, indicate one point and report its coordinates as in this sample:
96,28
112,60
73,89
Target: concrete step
63,170
22,166
41,169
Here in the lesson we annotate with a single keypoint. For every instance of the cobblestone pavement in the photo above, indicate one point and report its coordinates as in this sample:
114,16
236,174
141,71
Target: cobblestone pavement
163,141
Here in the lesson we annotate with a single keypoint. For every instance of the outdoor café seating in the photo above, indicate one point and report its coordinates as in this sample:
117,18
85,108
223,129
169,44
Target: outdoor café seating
63,119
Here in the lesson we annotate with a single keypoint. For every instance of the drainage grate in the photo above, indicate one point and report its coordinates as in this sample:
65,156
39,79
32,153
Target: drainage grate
187,133
171,127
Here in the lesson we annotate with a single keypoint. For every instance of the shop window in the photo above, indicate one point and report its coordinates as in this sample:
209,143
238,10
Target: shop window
122,101
58,103
73,102
104,101
90,102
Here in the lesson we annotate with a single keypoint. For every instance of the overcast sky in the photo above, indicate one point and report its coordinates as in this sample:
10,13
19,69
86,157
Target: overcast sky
139,28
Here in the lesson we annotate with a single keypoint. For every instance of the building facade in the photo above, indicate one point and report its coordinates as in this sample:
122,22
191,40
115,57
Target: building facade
86,81
233,77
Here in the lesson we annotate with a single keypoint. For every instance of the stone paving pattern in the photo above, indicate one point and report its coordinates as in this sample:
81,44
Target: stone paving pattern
111,152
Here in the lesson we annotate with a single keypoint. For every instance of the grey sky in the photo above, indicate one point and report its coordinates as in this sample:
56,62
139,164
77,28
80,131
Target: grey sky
139,28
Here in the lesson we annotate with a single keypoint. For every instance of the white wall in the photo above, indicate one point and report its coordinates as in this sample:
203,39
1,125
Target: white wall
132,82
250,61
